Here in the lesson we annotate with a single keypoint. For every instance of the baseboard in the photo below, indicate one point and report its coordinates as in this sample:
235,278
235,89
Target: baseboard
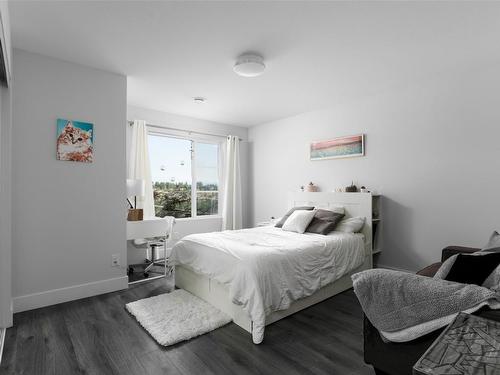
2,341
393,268
71,293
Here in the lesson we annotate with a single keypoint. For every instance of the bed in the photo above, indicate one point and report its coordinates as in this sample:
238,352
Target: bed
261,275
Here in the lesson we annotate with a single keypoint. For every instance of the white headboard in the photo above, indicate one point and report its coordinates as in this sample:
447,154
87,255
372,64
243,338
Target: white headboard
355,204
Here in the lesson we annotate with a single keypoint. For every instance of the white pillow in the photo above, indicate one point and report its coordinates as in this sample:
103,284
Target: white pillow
298,221
350,225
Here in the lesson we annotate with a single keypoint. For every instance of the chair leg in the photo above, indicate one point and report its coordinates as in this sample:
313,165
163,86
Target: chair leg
154,261
153,256
148,267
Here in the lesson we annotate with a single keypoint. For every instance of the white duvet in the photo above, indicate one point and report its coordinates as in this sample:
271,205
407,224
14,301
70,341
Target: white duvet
267,268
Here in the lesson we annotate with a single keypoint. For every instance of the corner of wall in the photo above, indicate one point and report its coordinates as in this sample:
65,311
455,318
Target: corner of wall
6,211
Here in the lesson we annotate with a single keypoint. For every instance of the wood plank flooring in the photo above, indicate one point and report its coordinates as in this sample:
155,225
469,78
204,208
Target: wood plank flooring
97,336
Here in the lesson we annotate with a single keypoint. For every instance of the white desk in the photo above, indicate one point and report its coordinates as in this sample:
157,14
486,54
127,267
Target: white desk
154,227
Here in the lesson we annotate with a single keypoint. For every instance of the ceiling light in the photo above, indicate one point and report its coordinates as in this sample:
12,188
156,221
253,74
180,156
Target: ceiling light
249,65
199,100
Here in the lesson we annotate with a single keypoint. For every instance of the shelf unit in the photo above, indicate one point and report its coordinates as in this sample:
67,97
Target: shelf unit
376,221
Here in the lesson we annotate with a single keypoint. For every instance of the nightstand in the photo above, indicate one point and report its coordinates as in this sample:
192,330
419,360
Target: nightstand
267,223
263,224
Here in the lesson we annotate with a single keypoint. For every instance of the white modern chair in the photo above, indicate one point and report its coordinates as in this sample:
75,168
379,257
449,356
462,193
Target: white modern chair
155,244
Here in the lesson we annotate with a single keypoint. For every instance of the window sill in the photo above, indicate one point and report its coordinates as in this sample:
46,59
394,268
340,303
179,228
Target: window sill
206,217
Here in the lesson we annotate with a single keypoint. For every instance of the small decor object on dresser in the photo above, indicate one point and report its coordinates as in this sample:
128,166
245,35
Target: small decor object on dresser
351,189
312,188
470,345
342,147
75,141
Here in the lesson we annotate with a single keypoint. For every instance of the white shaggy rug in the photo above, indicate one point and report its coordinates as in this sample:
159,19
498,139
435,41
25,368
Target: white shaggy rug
176,316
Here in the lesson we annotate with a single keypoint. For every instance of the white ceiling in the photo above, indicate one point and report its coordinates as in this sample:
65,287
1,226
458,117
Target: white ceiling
318,53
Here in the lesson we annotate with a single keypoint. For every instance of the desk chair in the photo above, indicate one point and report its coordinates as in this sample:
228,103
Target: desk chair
156,243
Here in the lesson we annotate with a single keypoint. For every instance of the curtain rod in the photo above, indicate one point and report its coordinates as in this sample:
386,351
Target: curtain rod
181,130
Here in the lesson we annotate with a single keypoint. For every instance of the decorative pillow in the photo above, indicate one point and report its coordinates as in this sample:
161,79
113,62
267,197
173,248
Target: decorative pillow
445,268
280,223
473,269
351,225
493,244
491,282
298,221
324,221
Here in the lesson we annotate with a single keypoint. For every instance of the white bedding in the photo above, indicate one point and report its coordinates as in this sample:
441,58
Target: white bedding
267,268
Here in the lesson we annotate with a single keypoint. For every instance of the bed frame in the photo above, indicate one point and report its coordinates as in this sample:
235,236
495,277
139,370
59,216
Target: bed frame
217,294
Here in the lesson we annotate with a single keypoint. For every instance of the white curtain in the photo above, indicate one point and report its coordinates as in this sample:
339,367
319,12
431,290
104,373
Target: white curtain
139,167
231,208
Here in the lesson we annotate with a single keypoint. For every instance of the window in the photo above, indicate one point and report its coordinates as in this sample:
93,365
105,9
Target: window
207,178
185,175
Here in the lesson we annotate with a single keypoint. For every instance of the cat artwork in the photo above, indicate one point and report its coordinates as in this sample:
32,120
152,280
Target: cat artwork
75,141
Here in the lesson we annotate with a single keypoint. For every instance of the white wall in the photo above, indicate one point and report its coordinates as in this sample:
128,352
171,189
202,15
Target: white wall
68,218
432,150
5,182
184,227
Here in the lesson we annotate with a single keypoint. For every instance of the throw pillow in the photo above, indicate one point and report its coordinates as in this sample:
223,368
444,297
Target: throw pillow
351,225
298,221
493,244
491,282
472,269
280,223
324,221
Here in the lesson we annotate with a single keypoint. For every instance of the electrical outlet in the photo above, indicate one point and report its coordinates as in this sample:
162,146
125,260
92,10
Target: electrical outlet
115,260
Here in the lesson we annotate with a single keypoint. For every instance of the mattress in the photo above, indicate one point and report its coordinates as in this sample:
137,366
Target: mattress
267,268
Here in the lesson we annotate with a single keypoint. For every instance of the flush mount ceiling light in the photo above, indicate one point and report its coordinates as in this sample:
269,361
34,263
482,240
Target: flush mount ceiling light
199,100
249,65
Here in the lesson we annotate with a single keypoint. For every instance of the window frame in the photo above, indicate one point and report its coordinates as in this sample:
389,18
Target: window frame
194,139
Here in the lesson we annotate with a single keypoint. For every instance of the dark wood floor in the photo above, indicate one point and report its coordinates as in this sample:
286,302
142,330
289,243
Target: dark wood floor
97,336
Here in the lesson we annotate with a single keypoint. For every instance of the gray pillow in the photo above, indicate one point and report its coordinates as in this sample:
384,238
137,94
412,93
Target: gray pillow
280,223
324,221
445,268
493,244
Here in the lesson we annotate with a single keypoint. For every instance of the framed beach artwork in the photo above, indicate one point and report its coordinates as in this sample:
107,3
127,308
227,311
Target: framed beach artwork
75,141
341,147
